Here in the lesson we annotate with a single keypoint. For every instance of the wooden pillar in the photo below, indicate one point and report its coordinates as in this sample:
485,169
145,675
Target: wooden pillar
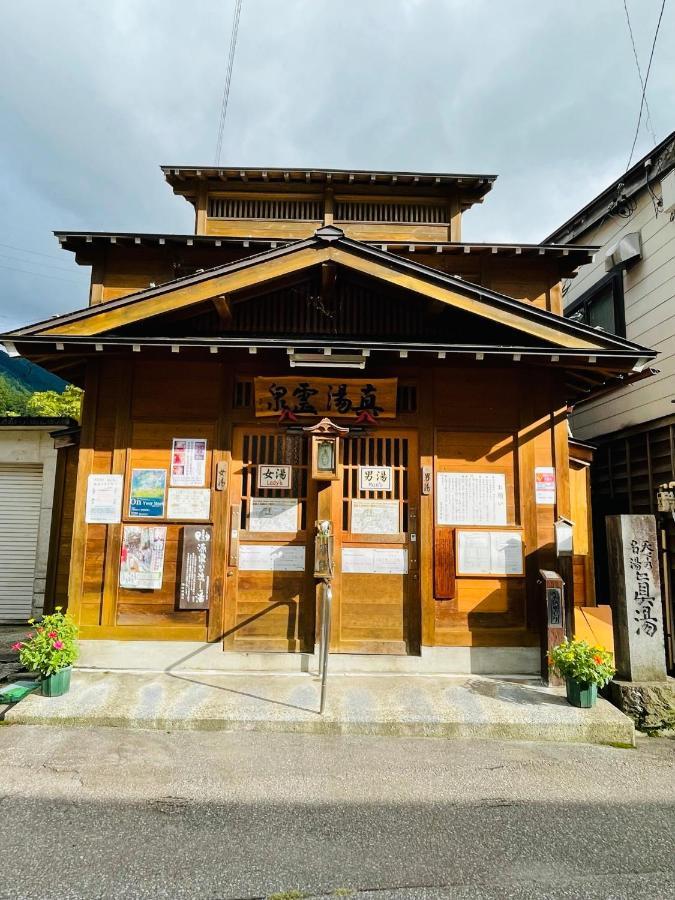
426,515
124,376
220,511
84,469
561,461
328,206
201,210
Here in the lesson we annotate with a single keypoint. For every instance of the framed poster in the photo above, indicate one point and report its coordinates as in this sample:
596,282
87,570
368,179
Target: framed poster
147,492
194,590
142,558
104,499
188,503
375,517
271,558
274,514
374,478
471,498
188,462
274,477
489,553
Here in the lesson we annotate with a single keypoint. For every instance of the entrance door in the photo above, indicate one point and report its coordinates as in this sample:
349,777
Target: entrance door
376,605
270,590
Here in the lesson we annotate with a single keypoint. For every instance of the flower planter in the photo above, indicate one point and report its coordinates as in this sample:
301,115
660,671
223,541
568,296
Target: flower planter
581,693
57,684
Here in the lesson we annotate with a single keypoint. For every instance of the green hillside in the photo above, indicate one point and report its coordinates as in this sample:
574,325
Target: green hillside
19,380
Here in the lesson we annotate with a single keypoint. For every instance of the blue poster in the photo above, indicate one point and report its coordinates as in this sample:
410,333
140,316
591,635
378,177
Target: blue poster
146,497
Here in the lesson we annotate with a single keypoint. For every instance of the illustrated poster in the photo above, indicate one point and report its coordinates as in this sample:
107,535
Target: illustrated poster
142,560
146,497
188,462
544,485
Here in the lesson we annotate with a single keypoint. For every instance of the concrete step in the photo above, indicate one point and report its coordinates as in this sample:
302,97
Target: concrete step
397,705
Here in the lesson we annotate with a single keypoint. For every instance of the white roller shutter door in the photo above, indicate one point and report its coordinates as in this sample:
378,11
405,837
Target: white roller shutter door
20,496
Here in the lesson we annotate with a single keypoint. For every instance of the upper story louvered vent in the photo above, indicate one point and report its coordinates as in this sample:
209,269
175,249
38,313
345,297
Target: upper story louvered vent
365,211
304,210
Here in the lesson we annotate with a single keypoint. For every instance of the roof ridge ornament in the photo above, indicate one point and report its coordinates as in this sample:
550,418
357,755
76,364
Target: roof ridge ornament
329,233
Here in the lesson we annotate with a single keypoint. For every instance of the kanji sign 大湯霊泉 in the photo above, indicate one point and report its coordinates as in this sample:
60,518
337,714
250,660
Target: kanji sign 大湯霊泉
310,396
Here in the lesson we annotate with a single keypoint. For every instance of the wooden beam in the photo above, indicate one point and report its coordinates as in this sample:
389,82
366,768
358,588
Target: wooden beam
223,306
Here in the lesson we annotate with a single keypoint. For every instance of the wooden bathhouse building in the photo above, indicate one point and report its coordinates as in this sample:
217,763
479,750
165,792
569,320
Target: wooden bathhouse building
324,348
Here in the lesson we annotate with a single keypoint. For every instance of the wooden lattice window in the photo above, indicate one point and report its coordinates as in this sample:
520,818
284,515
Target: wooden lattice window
416,213
274,449
304,209
243,395
375,451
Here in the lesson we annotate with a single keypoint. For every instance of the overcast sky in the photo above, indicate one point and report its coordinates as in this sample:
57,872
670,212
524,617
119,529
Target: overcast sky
96,94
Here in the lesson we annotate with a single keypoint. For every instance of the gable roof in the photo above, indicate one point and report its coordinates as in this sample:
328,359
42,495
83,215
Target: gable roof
329,243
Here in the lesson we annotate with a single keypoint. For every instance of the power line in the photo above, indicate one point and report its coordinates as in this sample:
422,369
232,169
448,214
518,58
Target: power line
648,120
644,86
39,274
228,80
35,252
34,262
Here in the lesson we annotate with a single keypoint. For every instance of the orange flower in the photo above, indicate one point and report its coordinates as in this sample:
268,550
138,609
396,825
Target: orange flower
598,659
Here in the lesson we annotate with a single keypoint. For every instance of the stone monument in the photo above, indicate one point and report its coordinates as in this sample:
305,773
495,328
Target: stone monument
641,688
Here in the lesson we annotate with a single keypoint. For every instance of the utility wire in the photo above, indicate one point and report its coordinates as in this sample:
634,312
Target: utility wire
644,85
648,120
39,274
228,81
12,257
34,252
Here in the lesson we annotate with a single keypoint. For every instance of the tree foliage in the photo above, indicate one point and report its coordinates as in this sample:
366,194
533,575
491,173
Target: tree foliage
51,403
15,400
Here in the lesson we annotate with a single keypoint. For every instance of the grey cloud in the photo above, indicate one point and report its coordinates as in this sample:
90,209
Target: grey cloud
94,96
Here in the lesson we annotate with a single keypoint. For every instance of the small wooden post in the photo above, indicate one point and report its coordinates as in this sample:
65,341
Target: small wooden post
553,620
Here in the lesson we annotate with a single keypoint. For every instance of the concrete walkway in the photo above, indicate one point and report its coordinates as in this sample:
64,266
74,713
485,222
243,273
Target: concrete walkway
420,706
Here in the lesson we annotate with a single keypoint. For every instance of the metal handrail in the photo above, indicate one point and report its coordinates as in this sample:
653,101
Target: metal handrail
325,639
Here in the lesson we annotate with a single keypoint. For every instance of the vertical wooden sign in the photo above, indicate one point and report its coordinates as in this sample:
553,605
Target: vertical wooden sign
444,563
195,570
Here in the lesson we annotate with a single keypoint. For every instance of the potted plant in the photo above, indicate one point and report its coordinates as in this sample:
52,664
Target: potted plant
50,651
584,668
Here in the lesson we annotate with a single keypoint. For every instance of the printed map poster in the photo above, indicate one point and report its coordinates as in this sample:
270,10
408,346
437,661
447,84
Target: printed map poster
142,560
188,503
274,514
104,499
471,498
146,497
375,517
188,462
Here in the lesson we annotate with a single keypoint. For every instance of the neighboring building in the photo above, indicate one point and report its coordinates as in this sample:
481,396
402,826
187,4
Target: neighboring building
629,290
302,295
30,471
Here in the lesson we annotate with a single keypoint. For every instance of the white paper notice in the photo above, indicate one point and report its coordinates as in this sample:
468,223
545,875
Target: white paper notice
374,561
507,552
104,499
489,553
188,462
188,503
471,498
274,514
375,517
473,553
271,558
544,485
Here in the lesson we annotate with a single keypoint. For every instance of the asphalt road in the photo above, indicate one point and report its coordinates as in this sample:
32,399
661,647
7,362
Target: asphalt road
105,813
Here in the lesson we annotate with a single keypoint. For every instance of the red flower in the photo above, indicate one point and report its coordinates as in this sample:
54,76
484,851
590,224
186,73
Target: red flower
53,634
17,646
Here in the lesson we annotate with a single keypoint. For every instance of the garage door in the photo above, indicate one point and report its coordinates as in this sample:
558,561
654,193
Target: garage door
20,493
